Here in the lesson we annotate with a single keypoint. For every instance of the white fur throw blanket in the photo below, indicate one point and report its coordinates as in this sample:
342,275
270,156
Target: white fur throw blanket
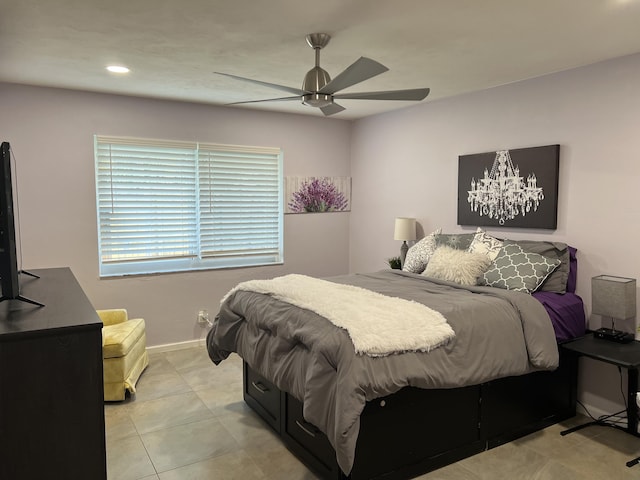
377,324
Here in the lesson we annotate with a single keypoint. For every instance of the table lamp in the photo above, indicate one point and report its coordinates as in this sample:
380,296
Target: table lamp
613,297
405,230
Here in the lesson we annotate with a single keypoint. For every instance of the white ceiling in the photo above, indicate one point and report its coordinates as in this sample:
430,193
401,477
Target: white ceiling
173,46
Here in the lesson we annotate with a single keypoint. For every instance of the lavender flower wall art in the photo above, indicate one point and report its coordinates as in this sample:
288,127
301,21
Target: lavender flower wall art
317,194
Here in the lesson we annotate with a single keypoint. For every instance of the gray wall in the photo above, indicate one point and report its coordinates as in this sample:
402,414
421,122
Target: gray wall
51,132
405,164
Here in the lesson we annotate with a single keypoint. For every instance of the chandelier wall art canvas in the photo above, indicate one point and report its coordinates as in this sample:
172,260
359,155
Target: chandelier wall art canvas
510,188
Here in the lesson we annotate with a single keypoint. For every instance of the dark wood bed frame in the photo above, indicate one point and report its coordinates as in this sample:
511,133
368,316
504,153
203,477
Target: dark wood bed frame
414,430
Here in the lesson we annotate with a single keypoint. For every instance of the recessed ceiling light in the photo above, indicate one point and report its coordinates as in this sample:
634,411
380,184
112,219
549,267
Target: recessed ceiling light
117,69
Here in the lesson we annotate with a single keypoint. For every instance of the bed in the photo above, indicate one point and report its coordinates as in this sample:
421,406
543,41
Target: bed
364,416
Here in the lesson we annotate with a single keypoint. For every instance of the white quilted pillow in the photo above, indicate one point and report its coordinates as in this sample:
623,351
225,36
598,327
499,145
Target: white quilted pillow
457,266
419,254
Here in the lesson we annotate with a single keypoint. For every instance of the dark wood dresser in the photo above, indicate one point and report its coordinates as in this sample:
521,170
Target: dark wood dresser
51,390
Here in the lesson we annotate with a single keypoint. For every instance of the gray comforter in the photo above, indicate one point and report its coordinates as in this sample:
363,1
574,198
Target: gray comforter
499,333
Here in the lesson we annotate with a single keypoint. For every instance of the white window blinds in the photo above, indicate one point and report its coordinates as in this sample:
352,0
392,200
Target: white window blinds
239,202
171,206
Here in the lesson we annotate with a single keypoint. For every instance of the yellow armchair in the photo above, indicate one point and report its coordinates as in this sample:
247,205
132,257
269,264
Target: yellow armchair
113,316
124,352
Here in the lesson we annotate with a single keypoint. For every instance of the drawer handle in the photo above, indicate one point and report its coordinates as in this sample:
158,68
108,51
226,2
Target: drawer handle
261,388
305,430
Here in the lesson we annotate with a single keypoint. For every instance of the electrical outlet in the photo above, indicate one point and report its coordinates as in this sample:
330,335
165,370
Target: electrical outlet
203,318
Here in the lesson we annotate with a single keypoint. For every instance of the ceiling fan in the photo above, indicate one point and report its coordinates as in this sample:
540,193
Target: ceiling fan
318,90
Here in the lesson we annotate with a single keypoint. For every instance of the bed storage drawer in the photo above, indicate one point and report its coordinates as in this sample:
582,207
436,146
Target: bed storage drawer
306,441
263,396
407,433
516,406
417,430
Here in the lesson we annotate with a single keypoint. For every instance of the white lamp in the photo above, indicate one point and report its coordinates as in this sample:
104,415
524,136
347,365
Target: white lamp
613,297
405,230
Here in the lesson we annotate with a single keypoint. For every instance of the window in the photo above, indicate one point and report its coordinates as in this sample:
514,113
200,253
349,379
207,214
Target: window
172,206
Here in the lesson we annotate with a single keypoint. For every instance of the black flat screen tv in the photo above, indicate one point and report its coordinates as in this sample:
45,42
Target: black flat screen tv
9,271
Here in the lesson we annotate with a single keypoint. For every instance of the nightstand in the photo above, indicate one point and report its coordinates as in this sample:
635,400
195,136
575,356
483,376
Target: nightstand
623,355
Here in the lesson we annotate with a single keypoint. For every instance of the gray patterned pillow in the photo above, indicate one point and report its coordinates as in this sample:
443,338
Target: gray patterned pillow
461,241
419,254
515,269
486,244
557,280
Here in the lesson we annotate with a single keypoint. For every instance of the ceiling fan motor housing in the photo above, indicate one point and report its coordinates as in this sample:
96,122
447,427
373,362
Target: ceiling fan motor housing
315,79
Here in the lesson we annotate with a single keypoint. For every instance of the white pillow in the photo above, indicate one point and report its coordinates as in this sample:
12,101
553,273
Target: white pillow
419,254
457,266
486,244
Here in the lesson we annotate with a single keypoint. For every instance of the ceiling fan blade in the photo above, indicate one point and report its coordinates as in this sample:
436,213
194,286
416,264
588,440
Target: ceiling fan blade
295,91
362,69
412,94
265,100
331,109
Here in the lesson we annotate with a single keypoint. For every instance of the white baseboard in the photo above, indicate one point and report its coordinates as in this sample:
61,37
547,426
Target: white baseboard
170,347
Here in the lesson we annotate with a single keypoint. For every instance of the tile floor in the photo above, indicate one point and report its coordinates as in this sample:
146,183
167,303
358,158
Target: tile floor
188,422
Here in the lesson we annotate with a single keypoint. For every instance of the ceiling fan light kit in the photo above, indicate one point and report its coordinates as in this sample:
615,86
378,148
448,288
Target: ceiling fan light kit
318,100
319,90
